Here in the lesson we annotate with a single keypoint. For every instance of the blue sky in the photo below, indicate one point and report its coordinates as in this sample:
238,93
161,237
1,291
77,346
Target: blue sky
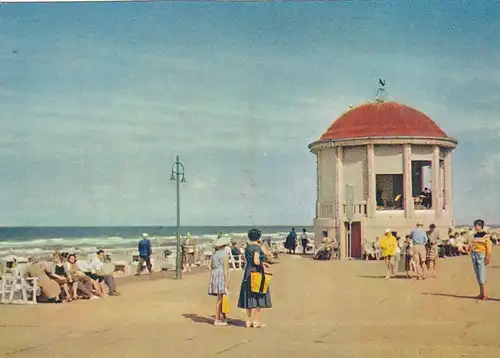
96,99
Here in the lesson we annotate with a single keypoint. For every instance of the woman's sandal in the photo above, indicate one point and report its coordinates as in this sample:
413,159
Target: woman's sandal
248,324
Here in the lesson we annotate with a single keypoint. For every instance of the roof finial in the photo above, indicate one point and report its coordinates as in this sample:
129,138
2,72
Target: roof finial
381,95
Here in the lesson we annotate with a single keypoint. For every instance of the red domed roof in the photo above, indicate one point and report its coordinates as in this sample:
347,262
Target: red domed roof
383,119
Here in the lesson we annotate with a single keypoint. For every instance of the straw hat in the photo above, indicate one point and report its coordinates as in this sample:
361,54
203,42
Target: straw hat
145,235
222,241
387,231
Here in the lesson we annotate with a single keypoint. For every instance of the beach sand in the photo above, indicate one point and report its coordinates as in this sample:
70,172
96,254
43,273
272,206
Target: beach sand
335,309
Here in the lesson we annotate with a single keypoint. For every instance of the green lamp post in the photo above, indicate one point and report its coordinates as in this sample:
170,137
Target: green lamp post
178,176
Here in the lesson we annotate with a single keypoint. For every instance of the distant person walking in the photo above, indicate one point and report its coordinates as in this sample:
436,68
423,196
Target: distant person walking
419,239
432,249
481,256
291,242
388,246
144,255
304,241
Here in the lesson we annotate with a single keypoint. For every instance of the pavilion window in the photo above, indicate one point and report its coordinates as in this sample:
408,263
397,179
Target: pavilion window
421,182
389,191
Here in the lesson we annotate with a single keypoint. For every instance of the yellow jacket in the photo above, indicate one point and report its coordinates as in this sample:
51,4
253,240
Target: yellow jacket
388,245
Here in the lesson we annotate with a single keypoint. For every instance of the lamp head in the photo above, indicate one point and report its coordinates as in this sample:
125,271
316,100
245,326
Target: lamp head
172,177
183,180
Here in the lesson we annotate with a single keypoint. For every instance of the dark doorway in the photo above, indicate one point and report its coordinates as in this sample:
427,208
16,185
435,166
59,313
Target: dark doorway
356,242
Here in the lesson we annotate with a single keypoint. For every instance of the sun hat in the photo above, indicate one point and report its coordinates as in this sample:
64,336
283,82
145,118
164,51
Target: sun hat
222,241
419,223
145,235
387,231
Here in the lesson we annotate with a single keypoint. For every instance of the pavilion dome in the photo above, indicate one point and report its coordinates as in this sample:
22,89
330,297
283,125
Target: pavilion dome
383,119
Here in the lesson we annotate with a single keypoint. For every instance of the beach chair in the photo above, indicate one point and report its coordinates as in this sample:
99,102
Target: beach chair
236,262
15,287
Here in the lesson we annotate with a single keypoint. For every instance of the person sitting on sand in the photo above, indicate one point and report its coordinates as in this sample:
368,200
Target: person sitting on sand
388,246
219,278
253,302
58,273
50,289
82,283
97,274
481,256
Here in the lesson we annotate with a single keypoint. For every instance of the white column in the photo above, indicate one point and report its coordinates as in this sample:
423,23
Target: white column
340,203
318,181
447,184
436,187
372,195
407,185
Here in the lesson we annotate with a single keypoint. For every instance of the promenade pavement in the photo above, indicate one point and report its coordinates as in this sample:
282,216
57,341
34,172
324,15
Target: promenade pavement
334,309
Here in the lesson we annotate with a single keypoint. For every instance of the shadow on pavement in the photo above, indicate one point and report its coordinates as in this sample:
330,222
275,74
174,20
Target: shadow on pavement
458,296
210,320
397,277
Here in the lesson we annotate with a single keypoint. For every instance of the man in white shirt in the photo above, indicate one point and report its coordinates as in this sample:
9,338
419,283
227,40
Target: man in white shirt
96,266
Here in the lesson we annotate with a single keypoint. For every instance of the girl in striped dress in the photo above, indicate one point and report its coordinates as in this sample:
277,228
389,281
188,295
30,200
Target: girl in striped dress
219,278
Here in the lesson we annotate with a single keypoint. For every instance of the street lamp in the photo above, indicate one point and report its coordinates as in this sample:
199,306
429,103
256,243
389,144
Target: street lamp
178,176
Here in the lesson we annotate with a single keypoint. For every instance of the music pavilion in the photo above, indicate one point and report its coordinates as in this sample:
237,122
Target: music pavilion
373,164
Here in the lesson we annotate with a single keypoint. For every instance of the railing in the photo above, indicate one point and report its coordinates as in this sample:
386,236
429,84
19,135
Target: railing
328,210
360,209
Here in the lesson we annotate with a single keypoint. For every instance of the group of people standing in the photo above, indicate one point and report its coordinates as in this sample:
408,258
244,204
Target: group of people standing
421,251
292,241
256,264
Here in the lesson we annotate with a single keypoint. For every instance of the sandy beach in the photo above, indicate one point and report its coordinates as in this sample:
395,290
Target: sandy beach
339,309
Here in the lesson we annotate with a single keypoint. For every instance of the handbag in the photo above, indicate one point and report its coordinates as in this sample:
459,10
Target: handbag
225,304
259,282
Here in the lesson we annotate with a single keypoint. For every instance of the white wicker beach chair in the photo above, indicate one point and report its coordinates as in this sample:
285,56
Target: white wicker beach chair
15,288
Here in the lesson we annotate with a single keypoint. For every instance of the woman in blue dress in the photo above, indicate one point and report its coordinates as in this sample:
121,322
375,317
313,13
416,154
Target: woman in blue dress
255,261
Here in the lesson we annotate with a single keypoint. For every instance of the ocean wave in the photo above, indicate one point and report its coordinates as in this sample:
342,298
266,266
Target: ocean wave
42,244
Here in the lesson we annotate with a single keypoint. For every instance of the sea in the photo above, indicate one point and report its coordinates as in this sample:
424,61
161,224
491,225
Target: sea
28,241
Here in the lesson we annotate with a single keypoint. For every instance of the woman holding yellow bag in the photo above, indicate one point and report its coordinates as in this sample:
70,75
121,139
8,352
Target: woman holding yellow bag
219,280
254,293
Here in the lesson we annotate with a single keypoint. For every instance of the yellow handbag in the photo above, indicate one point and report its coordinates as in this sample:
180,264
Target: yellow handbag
259,282
225,304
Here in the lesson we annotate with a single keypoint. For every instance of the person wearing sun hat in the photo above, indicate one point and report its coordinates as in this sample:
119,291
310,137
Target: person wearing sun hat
388,245
255,261
219,278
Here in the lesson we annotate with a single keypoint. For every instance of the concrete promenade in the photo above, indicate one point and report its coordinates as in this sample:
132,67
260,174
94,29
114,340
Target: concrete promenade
321,309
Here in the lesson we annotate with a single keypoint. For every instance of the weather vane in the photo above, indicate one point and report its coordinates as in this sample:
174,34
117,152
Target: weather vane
381,95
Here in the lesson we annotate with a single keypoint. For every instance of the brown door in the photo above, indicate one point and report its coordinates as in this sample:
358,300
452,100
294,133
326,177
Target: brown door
356,243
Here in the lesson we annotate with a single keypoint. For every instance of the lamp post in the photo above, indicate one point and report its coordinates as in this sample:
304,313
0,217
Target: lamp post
178,176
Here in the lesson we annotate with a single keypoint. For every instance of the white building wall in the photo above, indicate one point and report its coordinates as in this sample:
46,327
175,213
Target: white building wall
355,171
328,180
421,152
388,159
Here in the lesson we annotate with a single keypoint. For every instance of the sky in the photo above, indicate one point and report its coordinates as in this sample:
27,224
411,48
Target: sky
97,99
